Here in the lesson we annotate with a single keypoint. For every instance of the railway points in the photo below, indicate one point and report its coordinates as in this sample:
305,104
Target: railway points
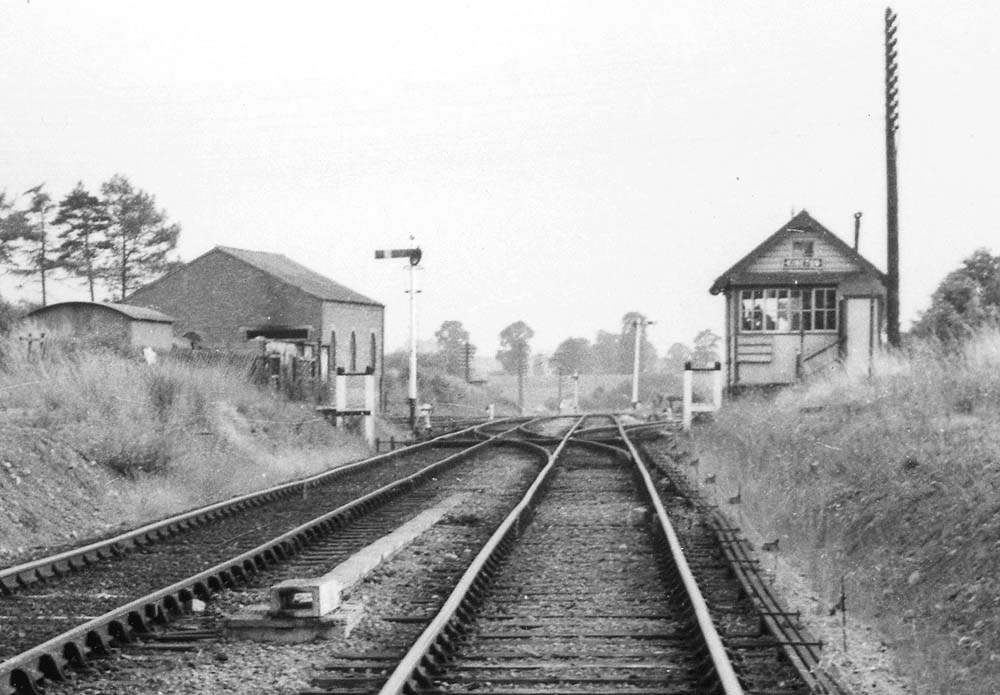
605,573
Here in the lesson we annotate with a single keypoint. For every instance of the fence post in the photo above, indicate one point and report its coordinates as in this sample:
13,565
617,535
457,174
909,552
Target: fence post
340,395
370,406
688,396
717,386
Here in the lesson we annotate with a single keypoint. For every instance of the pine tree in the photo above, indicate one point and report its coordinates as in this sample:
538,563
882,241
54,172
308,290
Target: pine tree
139,236
82,242
13,227
30,239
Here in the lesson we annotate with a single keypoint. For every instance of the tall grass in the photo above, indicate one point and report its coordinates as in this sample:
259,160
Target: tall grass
891,483
183,433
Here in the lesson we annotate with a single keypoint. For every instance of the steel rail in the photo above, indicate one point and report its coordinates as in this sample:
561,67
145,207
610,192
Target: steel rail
429,641
717,652
42,568
802,651
48,659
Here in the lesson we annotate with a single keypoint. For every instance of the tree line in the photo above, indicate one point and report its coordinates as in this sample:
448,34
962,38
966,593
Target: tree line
116,241
966,300
609,353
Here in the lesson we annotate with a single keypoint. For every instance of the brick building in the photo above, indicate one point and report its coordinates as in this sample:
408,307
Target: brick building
227,297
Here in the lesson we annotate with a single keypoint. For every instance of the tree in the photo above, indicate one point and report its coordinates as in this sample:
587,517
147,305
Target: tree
31,239
13,226
706,348
626,345
573,355
454,347
605,352
82,242
968,298
677,355
139,236
513,354
514,347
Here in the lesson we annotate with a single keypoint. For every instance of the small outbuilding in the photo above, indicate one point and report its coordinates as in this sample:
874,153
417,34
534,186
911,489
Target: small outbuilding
799,302
114,325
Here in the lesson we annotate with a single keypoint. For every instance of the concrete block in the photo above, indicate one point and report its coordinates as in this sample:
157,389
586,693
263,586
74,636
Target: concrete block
316,597
257,624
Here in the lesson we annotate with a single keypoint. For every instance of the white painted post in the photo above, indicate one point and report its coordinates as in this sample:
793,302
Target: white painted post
688,396
491,411
340,397
576,392
370,407
412,387
717,386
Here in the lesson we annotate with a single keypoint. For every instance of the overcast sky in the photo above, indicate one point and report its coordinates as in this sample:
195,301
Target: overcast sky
559,163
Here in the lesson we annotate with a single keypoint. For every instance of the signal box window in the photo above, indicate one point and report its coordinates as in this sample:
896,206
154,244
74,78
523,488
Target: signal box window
803,248
788,310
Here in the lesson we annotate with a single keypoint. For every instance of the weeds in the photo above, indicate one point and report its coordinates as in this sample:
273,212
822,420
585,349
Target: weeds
142,420
893,480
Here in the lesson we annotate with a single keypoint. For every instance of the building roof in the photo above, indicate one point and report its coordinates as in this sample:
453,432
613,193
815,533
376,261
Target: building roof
803,221
297,275
136,313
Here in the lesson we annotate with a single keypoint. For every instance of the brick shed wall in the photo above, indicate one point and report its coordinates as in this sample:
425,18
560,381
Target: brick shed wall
220,297
364,320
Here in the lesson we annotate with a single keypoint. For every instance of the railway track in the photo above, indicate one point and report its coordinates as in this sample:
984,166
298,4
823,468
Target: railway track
579,586
58,611
573,594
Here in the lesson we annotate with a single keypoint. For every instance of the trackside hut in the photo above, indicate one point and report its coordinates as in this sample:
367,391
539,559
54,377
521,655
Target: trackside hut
227,297
800,301
114,325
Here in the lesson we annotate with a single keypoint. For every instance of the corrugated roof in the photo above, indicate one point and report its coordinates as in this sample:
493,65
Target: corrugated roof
297,275
138,313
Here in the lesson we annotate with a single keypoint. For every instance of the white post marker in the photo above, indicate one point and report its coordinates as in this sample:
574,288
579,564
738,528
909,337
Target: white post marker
340,396
689,406
370,407
576,392
639,324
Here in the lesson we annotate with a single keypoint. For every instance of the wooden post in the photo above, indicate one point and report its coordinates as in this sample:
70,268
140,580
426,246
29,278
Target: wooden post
340,395
370,406
892,193
688,396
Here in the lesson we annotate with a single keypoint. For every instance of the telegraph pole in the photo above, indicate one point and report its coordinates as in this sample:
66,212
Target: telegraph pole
892,195
414,255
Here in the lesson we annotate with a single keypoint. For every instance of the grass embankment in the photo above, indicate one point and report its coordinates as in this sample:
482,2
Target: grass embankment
893,484
90,440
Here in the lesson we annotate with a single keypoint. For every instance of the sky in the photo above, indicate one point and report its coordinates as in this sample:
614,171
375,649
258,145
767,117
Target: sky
560,163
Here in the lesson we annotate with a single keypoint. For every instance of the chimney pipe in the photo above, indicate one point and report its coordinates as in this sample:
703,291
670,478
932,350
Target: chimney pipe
857,229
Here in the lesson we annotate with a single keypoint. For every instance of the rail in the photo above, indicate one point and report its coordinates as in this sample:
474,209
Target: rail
48,659
800,649
41,568
440,630
713,643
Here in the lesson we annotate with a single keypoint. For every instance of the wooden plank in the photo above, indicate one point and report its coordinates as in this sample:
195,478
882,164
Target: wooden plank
754,359
755,350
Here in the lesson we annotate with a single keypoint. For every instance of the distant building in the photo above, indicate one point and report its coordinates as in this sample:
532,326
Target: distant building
113,325
227,297
799,302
